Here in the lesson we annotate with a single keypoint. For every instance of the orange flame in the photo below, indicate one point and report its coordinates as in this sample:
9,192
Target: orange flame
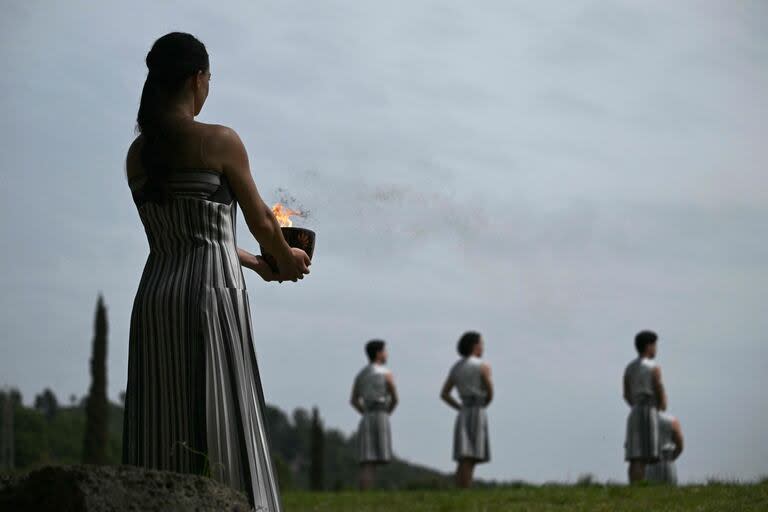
283,215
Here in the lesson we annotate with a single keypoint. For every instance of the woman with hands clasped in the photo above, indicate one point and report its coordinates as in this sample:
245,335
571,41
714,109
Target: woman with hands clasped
471,376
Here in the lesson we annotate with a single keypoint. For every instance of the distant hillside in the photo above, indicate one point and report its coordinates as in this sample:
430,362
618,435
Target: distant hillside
290,440
54,435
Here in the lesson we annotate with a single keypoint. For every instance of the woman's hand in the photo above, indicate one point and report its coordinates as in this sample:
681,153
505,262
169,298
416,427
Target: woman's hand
299,261
294,267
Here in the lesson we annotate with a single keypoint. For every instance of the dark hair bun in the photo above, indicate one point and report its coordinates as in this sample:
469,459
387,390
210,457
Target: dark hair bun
467,343
373,347
643,339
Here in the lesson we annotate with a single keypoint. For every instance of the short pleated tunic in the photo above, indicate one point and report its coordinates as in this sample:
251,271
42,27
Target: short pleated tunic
642,439
194,402
374,435
665,470
470,435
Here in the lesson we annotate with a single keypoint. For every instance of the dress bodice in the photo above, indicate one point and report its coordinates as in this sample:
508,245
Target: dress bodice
640,376
371,384
194,228
467,375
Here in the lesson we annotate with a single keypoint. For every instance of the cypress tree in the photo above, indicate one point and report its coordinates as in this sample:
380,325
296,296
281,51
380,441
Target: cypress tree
317,462
7,441
96,407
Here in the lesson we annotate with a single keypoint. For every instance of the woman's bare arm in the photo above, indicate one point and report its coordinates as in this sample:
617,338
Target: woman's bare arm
446,396
627,396
133,159
354,399
227,147
393,398
486,373
661,395
677,437
249,260
258,264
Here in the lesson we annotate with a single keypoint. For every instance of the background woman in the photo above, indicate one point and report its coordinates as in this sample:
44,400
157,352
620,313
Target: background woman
374,396
472,378
670,447
644,393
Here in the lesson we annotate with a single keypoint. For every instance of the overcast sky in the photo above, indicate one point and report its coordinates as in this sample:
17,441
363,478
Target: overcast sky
557,175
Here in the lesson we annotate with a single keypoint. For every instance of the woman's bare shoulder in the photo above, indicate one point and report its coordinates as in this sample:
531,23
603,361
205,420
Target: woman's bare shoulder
222,144
133,166
217,132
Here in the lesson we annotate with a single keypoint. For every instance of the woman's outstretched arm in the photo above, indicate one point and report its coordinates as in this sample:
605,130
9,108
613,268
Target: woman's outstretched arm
229,149
258,264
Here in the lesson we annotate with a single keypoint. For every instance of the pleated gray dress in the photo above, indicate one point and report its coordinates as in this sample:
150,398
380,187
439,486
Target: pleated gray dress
470,435
194,402
374,435
664,471
642,440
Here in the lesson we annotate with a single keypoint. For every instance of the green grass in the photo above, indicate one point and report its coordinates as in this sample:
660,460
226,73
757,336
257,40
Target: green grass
715,497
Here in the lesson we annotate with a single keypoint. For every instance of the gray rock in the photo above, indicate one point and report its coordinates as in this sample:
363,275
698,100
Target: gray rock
116,489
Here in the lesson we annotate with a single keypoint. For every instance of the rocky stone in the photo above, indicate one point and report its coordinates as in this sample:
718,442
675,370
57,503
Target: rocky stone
116,489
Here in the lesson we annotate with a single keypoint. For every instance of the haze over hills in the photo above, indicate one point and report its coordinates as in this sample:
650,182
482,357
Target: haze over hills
48,433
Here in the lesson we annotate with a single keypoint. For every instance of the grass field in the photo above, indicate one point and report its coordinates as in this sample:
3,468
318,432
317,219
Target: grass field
715,497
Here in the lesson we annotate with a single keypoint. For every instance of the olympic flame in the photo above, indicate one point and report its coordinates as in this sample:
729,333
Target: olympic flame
283,215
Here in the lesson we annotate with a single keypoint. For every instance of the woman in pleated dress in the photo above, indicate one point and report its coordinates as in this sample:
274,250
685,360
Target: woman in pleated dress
644,393
374,396
471,376
194,401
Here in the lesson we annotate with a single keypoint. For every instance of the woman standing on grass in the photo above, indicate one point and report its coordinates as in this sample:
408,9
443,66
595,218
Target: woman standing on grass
194,402
644,393
472,378
374,396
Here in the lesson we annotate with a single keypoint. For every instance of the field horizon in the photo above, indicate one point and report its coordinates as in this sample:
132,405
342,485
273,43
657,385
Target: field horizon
714,496
586,495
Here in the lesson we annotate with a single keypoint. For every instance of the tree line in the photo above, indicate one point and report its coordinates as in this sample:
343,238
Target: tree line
89,430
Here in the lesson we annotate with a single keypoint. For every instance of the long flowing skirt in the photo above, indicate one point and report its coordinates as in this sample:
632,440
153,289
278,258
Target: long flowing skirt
194,402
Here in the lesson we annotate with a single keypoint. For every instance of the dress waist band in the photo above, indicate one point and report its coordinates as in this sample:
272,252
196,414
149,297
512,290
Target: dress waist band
375,406
645,400
473,401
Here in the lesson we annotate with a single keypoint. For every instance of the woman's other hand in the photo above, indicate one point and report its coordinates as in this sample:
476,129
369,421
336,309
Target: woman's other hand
294,267
291,269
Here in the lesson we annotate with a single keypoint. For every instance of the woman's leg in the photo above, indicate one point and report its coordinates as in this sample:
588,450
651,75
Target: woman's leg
636,471
464,473
367,475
